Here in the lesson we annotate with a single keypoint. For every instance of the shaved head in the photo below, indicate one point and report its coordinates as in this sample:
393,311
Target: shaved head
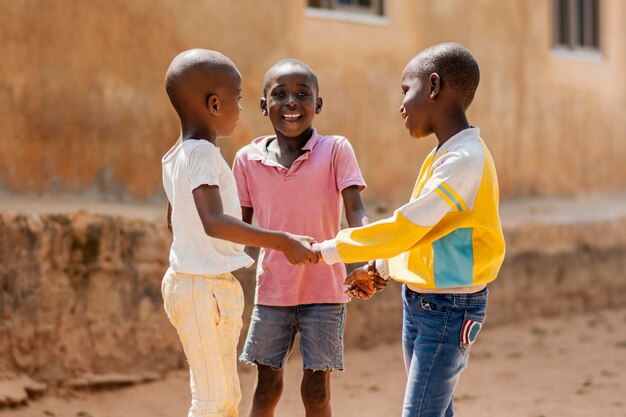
455,66
289,62
196,74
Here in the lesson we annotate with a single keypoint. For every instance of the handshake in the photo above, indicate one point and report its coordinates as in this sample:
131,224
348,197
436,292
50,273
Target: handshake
362,283
299,250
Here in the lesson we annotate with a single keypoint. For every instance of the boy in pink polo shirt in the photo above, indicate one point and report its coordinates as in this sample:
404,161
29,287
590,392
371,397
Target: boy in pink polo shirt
295,180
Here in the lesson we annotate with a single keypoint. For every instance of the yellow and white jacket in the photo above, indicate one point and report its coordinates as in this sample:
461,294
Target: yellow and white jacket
449,234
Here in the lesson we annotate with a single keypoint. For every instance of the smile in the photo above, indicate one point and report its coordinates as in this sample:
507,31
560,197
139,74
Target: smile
291,117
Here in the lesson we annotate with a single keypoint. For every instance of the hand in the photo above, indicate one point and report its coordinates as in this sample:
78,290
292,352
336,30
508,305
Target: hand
364,282
298,250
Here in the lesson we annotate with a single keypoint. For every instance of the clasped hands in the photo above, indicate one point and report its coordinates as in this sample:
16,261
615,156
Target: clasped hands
299,250
364,282
361,283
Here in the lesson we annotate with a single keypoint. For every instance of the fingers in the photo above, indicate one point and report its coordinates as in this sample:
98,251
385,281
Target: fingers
313,257
378,282
360,290
360,294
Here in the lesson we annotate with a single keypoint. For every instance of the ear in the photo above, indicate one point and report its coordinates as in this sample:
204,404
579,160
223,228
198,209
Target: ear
263,106
435,84
318,105
213,104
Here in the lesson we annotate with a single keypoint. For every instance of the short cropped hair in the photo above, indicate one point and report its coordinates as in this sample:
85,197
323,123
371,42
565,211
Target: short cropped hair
455,65
285,62
190,66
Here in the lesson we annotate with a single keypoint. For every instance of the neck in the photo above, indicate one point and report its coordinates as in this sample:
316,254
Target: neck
455,122
295,143
189,131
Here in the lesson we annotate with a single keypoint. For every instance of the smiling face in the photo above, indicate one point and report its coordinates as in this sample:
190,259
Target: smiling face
291,100
417,103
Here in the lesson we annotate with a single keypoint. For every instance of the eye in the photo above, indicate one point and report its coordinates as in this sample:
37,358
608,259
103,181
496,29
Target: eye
303,93
278,94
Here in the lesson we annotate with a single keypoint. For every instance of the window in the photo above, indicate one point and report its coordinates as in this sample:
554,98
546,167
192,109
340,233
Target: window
372,7
577,24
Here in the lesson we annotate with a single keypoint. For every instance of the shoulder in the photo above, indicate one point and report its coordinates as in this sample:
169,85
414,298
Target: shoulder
465,158
171,152
201,151
193,146
335,144
333,139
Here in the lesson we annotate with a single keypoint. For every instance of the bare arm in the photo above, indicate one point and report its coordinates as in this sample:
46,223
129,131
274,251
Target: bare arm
355,211
222,226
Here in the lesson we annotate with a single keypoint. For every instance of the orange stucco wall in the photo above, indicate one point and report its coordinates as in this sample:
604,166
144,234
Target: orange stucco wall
82,107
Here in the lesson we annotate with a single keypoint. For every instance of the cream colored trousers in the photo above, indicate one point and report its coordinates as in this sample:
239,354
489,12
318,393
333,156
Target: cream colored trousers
206,312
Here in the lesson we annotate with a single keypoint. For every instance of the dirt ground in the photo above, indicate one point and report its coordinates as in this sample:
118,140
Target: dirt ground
558,367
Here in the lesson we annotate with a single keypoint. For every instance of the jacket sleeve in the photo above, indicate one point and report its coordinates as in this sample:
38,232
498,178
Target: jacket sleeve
452,187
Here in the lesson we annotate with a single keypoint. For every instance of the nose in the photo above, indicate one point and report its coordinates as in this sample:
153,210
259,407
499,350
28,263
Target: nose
401,108
291,100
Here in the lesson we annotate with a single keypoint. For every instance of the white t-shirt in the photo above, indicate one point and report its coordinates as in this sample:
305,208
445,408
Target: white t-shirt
188,165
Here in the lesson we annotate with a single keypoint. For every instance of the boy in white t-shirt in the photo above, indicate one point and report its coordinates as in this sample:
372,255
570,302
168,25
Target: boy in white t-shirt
202,299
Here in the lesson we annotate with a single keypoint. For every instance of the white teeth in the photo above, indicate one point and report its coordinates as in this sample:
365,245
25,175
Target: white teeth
291,116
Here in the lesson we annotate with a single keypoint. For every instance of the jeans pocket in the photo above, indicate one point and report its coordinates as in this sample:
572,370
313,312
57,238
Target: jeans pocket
472,324
436,304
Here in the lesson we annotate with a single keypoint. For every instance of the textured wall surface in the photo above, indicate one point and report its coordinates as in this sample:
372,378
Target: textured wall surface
82,106
80,291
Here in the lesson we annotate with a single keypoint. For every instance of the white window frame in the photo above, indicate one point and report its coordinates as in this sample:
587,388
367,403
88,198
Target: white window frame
571,47
333,10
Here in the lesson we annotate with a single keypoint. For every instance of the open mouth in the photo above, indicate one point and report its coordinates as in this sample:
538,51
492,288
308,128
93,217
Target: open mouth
292,117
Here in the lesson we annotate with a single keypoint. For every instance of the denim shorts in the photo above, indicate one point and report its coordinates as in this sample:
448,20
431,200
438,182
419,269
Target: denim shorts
273,330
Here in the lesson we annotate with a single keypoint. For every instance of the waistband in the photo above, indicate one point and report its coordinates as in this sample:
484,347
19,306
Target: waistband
476,297
457,290
187,275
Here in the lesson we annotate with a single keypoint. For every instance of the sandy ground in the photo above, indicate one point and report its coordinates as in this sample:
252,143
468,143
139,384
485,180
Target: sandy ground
560,367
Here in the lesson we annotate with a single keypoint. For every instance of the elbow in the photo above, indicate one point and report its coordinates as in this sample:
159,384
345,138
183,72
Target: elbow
209,230
357,219
211,227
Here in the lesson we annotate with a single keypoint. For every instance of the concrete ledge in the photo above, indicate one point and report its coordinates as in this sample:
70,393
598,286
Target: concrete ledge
80,288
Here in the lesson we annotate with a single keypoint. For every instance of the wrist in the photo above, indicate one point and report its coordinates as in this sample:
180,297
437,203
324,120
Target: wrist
329,252
280,241
382,268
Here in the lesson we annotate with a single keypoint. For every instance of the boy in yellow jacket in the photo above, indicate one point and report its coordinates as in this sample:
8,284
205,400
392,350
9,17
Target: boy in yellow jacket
446,244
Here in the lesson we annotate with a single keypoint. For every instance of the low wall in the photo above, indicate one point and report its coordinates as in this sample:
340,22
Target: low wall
80,291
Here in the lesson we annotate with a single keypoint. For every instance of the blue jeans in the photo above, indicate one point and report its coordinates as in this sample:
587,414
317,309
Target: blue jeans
273,330
437,333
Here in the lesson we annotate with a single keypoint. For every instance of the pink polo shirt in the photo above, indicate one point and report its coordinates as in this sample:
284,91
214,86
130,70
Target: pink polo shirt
304,199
